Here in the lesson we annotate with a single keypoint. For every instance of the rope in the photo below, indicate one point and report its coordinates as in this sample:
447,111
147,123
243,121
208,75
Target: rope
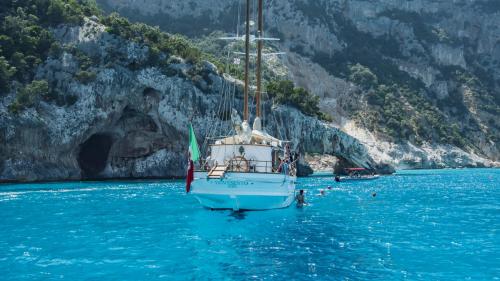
277,124
282,126
238,21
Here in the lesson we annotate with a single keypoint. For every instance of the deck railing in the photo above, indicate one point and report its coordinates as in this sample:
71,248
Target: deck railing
251,166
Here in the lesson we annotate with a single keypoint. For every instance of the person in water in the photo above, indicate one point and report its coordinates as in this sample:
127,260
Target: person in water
337,178
300,198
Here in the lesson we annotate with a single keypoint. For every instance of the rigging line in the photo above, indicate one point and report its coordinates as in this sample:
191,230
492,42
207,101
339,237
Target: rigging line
283,126
220,109
254,14
277,125
232,94
280,122
262,33
258,65
280,126
222,113
247,58
217,120
212,124
227,110
229,95
273,115
235,18
239,19
232,98
225,116
226,96
226,103
209,131
263,113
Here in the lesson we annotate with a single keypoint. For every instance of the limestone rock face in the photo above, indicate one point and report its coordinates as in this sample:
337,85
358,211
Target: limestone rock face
132,122
311,25
425,39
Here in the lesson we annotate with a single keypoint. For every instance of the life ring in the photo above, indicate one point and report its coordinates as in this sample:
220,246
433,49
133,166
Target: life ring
240,164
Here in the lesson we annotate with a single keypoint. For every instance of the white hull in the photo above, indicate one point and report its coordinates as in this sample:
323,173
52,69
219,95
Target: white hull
244,191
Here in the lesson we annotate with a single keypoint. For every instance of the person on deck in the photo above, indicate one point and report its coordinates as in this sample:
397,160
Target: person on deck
208,163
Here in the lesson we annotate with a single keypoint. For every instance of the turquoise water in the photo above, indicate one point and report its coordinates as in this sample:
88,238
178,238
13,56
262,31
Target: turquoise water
422,225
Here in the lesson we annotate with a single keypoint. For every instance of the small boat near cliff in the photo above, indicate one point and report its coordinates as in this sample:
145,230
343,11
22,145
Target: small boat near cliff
357,174
247,168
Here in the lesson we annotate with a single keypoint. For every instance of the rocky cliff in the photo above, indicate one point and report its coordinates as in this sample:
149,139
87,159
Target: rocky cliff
123,118
415,81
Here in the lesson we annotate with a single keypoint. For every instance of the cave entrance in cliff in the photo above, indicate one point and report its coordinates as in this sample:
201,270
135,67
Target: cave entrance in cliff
93,154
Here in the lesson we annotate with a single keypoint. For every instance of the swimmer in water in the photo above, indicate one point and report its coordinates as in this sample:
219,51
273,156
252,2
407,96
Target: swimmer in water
374,194
321,192
300,198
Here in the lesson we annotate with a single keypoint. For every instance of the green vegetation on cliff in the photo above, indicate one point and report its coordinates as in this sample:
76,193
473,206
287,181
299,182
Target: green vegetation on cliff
401,113
27,40
25,36
285,92
30,95
399,107
394,102
157,41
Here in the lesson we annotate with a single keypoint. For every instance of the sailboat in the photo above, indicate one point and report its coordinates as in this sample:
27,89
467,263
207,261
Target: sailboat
249,169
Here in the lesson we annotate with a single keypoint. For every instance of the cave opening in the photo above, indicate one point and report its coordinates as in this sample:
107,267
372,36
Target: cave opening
149,92
93,154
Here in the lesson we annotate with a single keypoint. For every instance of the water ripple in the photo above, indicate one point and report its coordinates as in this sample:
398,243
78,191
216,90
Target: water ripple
422,225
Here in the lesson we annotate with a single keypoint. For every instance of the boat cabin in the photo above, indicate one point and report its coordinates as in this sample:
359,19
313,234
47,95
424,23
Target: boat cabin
254,152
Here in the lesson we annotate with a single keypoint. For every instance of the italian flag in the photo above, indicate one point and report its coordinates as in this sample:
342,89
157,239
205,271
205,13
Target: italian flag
193,156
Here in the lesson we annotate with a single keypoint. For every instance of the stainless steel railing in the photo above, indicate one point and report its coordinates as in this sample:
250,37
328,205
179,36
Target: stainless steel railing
243,165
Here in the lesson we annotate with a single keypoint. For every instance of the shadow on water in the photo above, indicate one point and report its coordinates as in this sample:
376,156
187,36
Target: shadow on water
239,215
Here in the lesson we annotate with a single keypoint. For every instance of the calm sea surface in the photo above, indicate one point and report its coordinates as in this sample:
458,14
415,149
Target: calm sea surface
422,225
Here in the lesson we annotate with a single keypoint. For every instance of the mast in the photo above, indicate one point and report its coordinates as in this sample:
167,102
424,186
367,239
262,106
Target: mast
247,59
260,42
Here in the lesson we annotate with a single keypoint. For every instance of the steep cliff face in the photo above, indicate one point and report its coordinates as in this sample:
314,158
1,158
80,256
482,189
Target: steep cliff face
419,77
130,119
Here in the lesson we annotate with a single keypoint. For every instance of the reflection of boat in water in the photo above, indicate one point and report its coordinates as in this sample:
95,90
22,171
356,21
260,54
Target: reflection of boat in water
246,168
357,174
